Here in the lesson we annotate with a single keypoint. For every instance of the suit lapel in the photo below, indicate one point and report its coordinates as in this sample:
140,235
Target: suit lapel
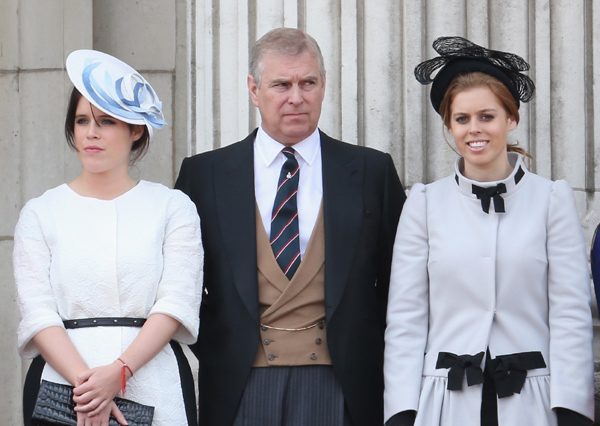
235,205
343,176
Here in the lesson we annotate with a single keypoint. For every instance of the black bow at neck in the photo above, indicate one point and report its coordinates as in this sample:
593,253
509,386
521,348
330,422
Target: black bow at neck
487,194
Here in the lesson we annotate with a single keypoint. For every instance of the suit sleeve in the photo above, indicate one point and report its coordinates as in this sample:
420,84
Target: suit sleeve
394,197
570,318
183,182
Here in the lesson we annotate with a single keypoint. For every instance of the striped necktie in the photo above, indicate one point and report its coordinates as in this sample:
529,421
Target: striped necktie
285,240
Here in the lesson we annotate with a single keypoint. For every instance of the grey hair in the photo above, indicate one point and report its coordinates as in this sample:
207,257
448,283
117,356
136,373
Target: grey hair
286,42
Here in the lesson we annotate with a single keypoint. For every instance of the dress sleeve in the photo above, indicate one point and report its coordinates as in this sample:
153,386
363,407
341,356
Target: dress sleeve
408,309
570,318
180,288
31,265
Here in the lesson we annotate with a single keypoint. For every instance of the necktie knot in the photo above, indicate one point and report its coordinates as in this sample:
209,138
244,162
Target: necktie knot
289,152
489,193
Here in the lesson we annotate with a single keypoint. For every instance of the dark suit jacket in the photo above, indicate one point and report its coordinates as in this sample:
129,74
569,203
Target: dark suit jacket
362,200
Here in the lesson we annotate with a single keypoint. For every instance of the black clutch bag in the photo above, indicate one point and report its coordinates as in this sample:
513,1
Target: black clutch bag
55,406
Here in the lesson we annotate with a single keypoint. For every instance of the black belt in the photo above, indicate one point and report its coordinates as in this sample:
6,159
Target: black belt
104,322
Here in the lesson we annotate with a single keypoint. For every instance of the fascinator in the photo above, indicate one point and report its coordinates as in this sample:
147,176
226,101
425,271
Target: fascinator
115,88
459,55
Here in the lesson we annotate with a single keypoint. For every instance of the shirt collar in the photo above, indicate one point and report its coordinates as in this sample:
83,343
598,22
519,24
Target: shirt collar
268,148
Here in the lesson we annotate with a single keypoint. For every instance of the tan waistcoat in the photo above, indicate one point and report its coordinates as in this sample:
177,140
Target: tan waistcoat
297,304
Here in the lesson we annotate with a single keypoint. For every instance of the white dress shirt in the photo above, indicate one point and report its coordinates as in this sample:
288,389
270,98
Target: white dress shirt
268,161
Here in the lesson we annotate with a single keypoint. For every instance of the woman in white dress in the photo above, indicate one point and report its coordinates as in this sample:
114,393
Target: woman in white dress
108,269
489,320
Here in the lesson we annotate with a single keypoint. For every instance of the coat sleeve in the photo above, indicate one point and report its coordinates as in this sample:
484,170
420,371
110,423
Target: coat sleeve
570,318
180,288
408,311
31,265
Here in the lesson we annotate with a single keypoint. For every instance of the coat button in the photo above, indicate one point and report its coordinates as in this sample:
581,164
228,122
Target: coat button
263,328
318,341
321,326
313,356
266,341
270,357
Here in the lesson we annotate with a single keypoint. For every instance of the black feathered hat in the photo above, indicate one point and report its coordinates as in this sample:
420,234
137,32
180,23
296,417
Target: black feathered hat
459,55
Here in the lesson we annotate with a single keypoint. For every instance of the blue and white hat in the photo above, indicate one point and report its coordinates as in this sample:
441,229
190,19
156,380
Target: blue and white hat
115,88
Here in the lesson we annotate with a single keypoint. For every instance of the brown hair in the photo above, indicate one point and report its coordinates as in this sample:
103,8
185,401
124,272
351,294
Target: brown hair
139,147
473,80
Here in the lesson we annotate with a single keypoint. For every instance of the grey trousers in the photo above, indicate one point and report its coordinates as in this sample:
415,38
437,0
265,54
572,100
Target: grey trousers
292,396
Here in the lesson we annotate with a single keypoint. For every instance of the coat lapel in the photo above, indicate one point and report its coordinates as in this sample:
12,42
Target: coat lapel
343,176
235,205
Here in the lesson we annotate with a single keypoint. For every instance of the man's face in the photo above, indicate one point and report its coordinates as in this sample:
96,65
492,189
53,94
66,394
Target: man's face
289,97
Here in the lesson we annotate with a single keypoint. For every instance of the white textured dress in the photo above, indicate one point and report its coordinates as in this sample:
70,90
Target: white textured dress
133,256
464,281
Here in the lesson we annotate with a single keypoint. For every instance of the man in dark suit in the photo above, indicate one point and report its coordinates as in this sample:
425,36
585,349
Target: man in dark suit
298,230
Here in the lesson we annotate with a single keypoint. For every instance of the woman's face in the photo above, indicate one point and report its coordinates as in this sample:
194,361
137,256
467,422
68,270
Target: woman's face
103,143
479,125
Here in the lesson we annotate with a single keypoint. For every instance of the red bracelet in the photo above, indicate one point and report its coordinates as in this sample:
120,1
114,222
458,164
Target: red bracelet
126,366
123,375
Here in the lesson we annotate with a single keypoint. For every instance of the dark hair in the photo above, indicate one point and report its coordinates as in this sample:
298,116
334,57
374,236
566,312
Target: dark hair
139,147
471,80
